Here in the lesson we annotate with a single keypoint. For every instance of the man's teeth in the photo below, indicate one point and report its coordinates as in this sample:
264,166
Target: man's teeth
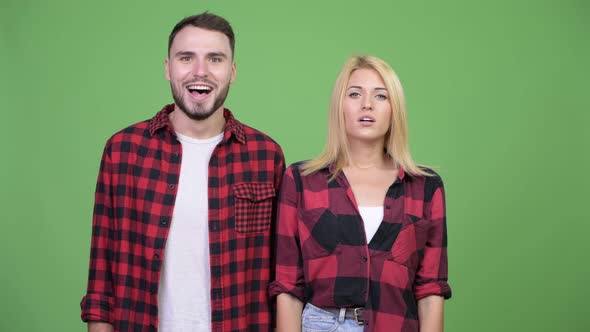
199,88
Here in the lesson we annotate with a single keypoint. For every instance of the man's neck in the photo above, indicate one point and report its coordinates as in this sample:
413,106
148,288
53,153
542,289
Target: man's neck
199,129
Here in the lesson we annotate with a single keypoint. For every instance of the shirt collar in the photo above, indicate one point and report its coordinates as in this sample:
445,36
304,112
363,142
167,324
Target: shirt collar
401,174
161,121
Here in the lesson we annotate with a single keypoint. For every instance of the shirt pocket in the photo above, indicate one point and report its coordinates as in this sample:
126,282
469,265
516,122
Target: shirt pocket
253,203
411,240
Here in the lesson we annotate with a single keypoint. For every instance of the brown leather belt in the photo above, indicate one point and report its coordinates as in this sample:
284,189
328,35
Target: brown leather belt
355,314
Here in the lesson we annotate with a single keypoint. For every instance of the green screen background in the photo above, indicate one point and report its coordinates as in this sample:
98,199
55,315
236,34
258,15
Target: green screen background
497,96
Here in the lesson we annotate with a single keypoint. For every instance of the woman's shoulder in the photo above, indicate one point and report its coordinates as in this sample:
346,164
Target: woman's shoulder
297,165
430,174
431,182
428,178
302,166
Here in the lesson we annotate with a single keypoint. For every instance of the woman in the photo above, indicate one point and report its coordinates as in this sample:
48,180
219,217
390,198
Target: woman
361,235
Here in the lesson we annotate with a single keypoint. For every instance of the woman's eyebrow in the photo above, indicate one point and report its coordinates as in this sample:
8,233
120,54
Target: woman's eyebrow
359,87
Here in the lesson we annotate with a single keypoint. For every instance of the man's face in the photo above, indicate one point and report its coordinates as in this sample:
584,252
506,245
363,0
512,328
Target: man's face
200,68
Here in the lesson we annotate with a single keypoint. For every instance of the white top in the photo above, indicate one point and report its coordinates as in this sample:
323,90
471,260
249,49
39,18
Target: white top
184,297
372,217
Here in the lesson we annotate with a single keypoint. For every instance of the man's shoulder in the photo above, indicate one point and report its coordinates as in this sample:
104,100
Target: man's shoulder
131,133
132,139
142,130
254,135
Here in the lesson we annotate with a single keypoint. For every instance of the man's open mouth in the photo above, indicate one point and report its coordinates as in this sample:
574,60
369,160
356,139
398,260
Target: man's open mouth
198,89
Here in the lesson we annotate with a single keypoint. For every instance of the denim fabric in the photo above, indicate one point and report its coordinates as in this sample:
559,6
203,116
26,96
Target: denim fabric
315,319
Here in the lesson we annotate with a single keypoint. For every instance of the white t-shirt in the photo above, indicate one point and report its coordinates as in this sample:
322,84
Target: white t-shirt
372,217
184,299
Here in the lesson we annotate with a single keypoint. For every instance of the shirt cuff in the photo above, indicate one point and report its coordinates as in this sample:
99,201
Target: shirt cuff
440,288
275,288
97,308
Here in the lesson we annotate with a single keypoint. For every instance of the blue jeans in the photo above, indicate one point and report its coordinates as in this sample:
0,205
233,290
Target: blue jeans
315,319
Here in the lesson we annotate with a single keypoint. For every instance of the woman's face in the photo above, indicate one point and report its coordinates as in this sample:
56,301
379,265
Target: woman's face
367,111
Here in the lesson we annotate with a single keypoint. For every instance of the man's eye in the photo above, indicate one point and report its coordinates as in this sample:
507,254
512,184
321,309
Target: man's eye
381,97
185,59
216,59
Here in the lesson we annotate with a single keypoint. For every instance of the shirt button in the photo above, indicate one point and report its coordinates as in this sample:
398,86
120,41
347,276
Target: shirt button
171,186
364,258
174,156
214,226
388,207
213,161
164,221
155,266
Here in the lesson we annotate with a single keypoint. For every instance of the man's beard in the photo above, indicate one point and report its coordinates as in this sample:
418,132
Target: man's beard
197,110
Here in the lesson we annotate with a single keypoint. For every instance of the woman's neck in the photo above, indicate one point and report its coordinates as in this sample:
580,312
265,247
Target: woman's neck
364,155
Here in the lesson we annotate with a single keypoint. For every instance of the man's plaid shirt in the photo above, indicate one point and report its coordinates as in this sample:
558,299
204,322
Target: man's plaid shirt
322,255
134,203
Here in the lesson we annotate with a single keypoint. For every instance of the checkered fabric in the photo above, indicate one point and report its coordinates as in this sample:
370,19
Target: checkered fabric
134,202
322,255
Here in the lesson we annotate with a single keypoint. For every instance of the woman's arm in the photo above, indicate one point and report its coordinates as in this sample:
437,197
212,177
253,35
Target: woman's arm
430,313
431,287
289,309
100,327
288,285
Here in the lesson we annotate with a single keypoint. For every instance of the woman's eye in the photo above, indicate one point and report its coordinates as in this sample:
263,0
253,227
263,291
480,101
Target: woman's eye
381,97
354,94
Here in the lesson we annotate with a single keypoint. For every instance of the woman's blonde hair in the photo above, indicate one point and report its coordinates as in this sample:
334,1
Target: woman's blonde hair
396,139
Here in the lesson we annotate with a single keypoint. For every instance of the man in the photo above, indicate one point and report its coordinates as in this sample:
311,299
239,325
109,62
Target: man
181,236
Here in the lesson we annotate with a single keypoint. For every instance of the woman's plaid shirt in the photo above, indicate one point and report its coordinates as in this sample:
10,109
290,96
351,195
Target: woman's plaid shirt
134,203
322,255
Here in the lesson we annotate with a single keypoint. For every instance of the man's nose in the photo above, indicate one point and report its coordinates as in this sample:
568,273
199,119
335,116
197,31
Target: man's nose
200,68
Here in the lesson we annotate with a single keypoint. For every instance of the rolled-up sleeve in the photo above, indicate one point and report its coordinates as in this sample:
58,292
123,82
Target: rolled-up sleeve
289,266
432,274
98,303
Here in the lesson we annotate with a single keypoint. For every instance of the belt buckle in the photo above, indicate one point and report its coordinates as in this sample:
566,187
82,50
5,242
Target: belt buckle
358,316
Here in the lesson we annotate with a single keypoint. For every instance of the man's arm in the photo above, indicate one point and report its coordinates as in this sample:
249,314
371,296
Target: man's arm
98,303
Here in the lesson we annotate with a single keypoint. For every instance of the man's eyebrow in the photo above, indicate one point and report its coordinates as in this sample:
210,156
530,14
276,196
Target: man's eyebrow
221,54
209,55
184,53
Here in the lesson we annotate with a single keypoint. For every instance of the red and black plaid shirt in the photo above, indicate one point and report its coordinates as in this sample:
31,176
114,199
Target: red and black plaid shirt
135,198
322,255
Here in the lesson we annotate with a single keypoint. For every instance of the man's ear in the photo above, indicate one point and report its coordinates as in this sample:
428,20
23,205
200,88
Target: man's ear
234,72
167,69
